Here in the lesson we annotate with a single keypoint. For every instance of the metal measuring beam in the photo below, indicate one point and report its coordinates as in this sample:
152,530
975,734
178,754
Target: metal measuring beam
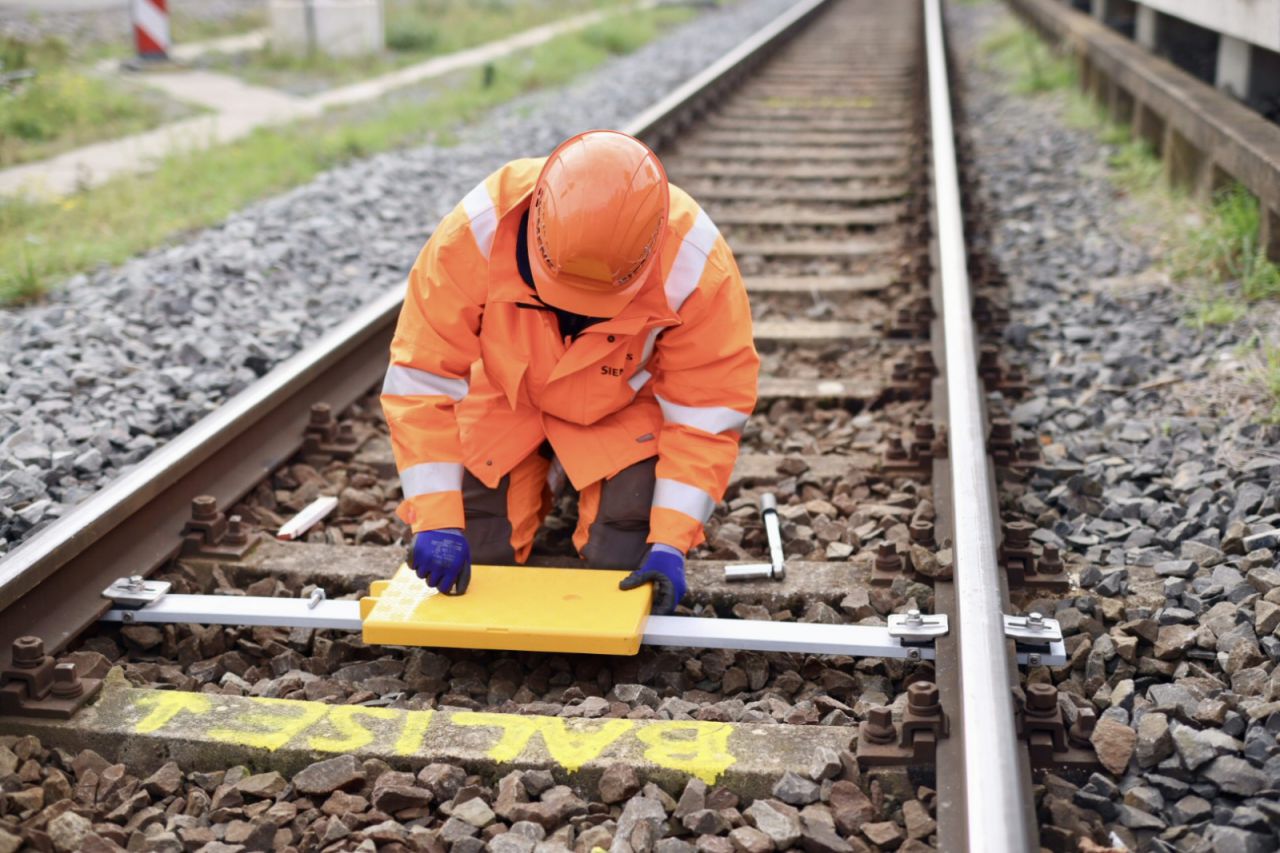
705,633
901,638
256,610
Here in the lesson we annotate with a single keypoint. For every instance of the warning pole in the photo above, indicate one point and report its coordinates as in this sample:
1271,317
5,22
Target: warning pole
151,29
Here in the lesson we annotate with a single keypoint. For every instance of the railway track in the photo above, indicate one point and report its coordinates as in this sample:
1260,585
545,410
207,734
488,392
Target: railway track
823,149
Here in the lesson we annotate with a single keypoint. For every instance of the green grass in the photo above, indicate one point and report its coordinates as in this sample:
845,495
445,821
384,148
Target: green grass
1225,247
60,107
1034,66
187,28
1216,311
41,244
416,30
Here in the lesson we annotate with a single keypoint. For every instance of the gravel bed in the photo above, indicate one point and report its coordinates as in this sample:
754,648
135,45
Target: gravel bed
123,359
1164,497
59,801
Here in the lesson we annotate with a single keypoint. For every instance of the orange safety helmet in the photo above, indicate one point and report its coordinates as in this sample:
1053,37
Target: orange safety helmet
598,218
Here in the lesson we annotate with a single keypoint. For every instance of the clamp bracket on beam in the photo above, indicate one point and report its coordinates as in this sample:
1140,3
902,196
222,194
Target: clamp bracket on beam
135,591
1038,639
916,627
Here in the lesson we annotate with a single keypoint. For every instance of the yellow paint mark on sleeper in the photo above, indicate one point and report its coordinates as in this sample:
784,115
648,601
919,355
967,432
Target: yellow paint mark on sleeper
167,704
570,748
271,724
412,732
695,747
574,747
352,735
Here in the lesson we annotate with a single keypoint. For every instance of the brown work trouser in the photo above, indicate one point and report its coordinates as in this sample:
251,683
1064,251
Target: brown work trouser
613,515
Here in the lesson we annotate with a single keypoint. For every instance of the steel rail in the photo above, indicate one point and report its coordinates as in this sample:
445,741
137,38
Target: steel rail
50,584
997,809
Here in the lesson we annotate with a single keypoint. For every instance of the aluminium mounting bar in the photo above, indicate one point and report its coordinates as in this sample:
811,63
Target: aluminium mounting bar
684,631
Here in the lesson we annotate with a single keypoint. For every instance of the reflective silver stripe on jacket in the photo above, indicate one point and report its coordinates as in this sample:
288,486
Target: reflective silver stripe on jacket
713,419
686,272
691,260
637,382
428,478
642,375
692,501
405,381
484,217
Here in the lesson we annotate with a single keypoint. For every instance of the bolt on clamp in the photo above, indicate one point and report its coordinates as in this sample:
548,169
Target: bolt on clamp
135,592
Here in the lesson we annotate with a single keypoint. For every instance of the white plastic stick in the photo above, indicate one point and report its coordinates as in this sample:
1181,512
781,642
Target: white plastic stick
310,516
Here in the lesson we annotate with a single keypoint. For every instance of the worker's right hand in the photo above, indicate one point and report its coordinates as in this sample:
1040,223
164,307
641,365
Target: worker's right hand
442,558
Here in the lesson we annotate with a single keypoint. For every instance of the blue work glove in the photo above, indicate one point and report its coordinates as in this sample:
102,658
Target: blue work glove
442,558
664,567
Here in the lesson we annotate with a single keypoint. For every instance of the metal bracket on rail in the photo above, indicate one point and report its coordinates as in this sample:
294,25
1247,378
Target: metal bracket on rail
916,627
37,686
210,534
913,741
1054,739
325,436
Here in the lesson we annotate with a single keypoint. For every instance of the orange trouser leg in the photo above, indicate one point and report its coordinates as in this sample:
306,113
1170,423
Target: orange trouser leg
613,518
501,522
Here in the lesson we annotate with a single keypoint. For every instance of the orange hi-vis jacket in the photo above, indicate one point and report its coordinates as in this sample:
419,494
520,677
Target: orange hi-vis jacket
480,375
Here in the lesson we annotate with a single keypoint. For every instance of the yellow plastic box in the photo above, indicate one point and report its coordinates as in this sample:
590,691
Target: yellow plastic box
517,608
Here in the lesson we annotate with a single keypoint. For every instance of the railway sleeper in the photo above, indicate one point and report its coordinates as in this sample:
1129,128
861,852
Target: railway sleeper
144,728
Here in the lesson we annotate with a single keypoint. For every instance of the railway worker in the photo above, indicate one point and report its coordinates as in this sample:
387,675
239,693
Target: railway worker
574,316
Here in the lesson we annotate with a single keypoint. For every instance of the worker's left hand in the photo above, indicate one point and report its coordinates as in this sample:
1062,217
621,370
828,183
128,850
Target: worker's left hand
442,558
664,568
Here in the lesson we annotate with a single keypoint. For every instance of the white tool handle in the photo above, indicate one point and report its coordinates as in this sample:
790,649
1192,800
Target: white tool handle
769,509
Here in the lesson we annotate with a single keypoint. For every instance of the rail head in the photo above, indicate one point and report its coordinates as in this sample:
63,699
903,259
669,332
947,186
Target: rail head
997,807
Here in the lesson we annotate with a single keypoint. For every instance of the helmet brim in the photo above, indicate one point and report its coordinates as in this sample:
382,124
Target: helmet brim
583,298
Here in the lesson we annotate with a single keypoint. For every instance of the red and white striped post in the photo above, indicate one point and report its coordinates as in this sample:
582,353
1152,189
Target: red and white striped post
151,28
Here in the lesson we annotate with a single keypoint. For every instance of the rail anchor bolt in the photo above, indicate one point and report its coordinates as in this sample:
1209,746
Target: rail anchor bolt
879,727
66,681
